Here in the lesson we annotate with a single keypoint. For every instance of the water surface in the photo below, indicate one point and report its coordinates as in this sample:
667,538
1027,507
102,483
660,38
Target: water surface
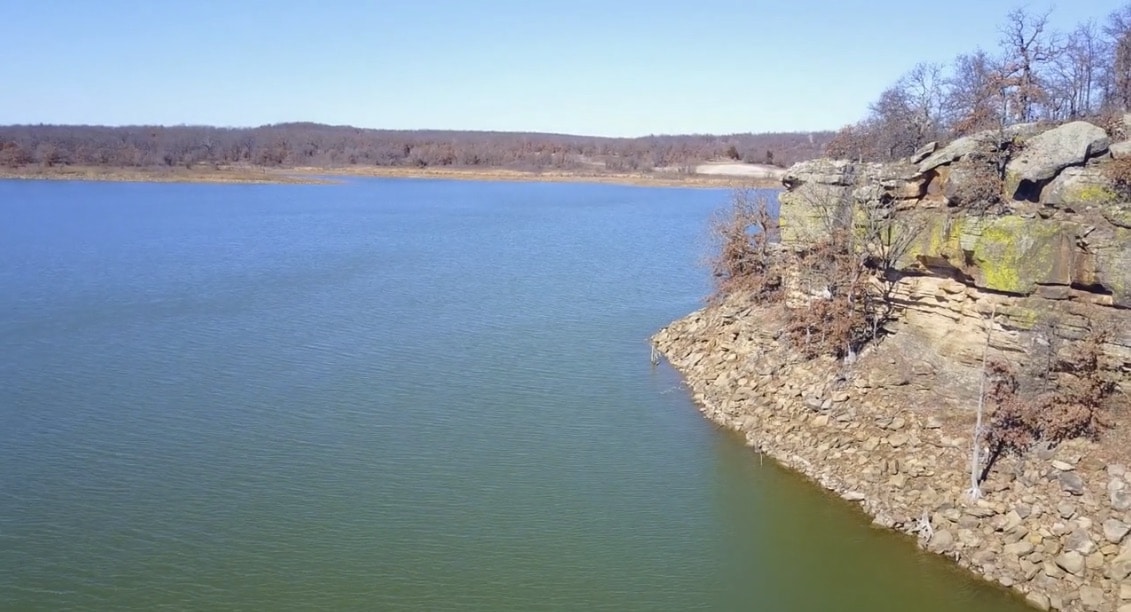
393,395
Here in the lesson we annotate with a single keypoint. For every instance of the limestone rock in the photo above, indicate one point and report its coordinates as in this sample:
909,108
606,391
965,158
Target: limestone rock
1063,466
1121,565
1092,598
942,541
1120,496
897,440
1071,482
1019,549
1038,600
957,150
1080,542
1079,187
1071,562
923,152
1048,153
1116,530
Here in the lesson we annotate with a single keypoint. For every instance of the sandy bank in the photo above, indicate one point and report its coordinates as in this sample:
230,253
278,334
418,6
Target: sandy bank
734,169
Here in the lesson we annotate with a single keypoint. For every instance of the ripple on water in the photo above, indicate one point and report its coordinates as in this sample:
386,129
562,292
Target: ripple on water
393,395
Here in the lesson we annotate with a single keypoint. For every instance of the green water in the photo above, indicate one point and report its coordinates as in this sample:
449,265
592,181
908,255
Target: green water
390,395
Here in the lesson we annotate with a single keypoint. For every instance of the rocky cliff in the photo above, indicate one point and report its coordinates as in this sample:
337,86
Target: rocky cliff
1058,243
1014,241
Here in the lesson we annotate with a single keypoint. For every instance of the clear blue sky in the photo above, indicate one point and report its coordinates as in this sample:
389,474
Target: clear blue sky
603,67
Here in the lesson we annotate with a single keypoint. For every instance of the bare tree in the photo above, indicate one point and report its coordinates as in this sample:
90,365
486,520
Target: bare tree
975,93
1075,74
924,87
744,261
976,453
1028,47
1117,77
851,142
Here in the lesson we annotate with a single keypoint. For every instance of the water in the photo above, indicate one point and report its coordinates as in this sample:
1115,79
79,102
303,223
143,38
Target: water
391,395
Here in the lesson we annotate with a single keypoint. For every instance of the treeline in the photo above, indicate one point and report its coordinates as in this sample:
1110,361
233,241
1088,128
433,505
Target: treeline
1035,74
309,144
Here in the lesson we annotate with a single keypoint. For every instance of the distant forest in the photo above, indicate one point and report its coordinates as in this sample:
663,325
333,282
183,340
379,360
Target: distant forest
325,146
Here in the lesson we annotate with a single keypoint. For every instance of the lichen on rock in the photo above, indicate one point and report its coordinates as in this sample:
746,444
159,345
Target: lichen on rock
891,432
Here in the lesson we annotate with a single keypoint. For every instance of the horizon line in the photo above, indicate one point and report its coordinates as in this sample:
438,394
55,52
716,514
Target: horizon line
409,130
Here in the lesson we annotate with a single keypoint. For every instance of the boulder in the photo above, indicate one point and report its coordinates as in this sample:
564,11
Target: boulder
1121,565
814,190
1078,188
923,152
1046,154
1116,530
957,150
986,141
1121,150
968,184
820,171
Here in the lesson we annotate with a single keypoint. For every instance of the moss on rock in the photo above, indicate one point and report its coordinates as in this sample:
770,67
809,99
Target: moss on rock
1013,254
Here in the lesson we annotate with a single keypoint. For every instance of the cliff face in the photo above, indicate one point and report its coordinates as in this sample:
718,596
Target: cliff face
1057,249
1011,242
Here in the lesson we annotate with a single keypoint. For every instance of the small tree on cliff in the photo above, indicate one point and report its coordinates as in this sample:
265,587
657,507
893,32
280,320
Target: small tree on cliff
1063,395
745,259
1064,391
848,270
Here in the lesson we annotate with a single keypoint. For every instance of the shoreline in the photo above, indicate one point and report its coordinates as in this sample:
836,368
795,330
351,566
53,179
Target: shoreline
877,437
704,181
326,176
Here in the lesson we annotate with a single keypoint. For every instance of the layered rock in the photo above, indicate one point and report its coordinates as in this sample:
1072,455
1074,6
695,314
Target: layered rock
1042,256
1035,260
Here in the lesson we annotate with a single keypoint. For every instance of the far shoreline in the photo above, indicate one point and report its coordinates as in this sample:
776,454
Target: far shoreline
323,176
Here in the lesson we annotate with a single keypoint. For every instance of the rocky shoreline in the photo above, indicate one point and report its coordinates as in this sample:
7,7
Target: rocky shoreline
892,433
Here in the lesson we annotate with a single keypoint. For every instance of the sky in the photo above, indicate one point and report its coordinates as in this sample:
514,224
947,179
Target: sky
593,67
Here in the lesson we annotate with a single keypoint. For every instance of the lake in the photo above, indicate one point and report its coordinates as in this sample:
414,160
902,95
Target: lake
391,395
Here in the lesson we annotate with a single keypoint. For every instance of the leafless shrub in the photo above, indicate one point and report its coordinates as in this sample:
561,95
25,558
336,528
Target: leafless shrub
745,260
838,319
977,184
847,270
1112,122
1071,402
1118,171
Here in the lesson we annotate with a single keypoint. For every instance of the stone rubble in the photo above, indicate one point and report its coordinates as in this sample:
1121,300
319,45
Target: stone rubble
1048,529
892,432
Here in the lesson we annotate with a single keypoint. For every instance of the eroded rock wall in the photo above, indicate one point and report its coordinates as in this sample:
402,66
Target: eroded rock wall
1041,254
1064,258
